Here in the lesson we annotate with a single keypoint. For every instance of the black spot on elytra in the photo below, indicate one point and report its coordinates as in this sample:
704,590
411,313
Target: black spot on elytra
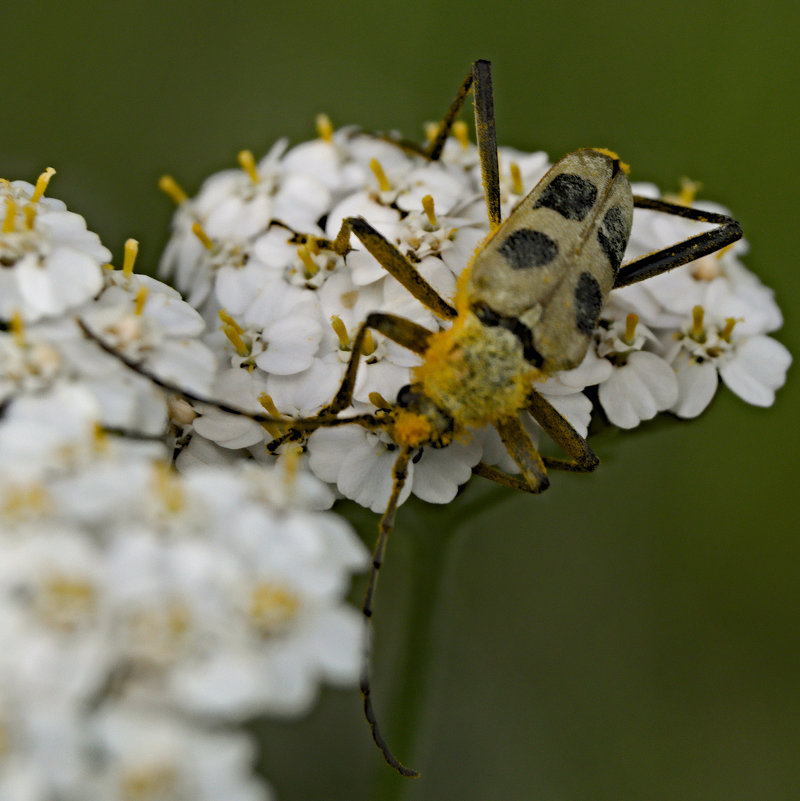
588,302
528,248
570,195
613,236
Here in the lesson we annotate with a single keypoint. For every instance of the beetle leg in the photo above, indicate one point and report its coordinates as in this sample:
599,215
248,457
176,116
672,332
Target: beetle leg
695,247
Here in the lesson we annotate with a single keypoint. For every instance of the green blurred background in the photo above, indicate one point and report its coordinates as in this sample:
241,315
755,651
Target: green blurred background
633,634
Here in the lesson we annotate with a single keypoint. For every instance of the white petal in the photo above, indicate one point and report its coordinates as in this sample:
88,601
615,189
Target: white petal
757,369
697,383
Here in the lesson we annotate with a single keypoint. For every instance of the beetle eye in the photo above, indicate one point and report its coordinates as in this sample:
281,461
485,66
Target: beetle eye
404,395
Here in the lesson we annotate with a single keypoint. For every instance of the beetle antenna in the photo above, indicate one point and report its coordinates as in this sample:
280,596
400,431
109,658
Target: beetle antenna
399,476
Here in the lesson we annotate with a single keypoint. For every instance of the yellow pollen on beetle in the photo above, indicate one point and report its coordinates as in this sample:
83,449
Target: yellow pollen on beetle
516,179
274,429
310,267
324,127
410,429
248,163
726,332
461,133
696,332
139,300
378,401
377,170
168,488
630,328
130,251
172,189
427,207
41,184
612,155
200,233
340,330
9,221
17,325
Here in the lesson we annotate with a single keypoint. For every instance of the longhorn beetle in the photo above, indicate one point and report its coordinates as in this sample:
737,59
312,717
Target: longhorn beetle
525,307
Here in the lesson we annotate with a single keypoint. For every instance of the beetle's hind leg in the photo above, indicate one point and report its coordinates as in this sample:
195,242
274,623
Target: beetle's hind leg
532,465
727,232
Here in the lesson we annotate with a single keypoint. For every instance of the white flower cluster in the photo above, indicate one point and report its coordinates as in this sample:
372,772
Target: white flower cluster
142,611
252,251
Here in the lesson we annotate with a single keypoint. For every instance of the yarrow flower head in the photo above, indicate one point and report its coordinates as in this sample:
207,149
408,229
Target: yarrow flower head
168,566
291,309
142,611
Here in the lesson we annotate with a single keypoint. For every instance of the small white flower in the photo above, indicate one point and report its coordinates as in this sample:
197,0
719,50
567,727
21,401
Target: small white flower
50,262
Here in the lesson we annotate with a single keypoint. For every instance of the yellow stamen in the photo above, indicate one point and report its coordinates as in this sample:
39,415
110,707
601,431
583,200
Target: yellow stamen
200,233
274,429
722,251
172,189
18,328
310,267
377,400
108,267
64,602
697,324
131,250
689,190
272,607
516,178
30,215
235,337
461,132
139,300
9,221
313,245
341,332
383,181
101,440
427,207
41,184
291,462
248,163
324,127
21,501
369,344
168,487
726,332
228,320
431,129
630,328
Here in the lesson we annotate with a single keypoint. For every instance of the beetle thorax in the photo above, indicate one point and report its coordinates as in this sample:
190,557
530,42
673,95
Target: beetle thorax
477,374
